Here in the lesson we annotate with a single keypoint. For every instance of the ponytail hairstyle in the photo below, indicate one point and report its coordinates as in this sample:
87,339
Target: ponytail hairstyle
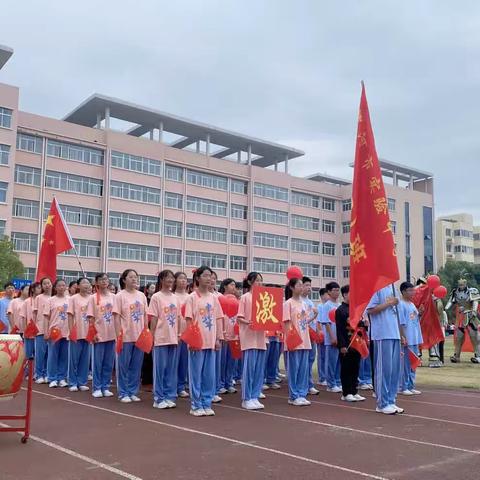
250,279
199,271
57,281
290,286
123,276
224,284
162,276
177,276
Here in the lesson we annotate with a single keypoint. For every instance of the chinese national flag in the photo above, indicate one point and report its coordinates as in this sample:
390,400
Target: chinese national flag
91,333
267,308
359,343
73,337
56,240
293,339
373,261
145,341
415,361
432,332
119,343
313,335
55,334
31,331
192,336
235,349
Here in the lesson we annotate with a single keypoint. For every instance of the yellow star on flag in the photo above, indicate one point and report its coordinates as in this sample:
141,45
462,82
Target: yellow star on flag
50,220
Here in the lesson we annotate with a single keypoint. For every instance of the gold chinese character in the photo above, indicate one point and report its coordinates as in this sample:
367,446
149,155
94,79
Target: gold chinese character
265,308
357,250
368,164
380,205
389,228
353,222
362,139
374,184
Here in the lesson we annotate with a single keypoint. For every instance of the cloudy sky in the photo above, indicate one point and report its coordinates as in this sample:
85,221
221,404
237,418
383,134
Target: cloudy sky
281,70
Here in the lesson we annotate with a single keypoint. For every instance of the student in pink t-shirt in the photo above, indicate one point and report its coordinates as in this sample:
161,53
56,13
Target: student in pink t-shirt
253,344
14,310
41,351
295,316
79,350
130,318
28,315
164,312
55,314
202,307
100,314
180,289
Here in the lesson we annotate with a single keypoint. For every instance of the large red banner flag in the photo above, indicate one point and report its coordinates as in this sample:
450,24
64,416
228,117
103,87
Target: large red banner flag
56,239
373,260
267,308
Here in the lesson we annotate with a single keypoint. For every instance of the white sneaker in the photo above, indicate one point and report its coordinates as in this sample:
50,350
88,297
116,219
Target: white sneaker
274,386
415,392
74,388
183,394
334,390
83,388
249,405
365,386
162,405
260,406
406,392
348,398
40,380
99,394
374,395
199,412
217,399
359,398
53,384
234,382
265,387
297,402
222,391
171,404
134,398
370,386
107,393
313,391
323,384
262,396
232,390
124,399
305,401
388,410
209,412
90,377
62,383
397,408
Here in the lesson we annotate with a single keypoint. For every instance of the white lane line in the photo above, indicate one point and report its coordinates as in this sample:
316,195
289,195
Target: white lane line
465,407
72,453
221,437
471,394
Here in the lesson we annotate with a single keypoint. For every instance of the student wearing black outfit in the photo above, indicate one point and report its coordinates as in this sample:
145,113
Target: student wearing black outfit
349,358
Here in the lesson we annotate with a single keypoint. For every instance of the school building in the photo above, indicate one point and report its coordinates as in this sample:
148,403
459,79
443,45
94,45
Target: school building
169,192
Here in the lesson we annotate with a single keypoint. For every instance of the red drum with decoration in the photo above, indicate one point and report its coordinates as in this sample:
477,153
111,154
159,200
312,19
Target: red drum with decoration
12,363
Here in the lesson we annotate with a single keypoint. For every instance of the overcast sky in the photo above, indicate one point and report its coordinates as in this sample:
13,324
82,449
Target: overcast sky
281,70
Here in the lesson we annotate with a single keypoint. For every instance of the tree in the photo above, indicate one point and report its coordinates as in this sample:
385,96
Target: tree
453,271
10,264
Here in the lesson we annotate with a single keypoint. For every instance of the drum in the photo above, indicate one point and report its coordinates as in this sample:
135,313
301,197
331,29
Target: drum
12,364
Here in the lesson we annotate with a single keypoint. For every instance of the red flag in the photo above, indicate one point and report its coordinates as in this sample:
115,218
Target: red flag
119,343
235,349
429,322
73,337
293,339
415,361
373,261
145,341
2,326
55,334
313,335
15,330
91,333
31,330
359,343
56,239
192,336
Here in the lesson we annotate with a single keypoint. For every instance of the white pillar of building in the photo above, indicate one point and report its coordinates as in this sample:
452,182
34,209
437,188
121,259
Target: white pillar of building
99,120
151,134
410,183
249,154
160,132
286,163
239,156
197,146
207,145
275,166
107,118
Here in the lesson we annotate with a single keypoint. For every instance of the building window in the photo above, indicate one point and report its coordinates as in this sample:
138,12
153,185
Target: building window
305,246
27,175
3,192
77,153
448,232
269,265
239,186
393,224
3,223
463,249
476,251
328,248
207,180
4,154
305,223
449,248
391,204
24,242
5,117
238,237
346,249
134,222
89,217
329,271
175,174
309,269
171,228
476,236
85,248
206,233
135,163
345,227
174,200
238,211
172,256
305,200
72,275
270,240
213,260
347,205
346,272
463,233
208,207
73,183
328,226
26,208
266,215
238,263
29,143
137,193
270,191
130,251
328,204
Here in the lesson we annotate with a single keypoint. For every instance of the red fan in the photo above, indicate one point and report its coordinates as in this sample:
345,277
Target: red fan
73,333
145,341
229,304
235,349
192,336
55,334
31,331
91,333
313,335
119,343
415,361
293,339
15,330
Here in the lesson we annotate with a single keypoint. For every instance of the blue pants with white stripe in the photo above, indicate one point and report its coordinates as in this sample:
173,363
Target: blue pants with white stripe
219,360
408,374
130,362
41,353
182,368
103,360
79,363
57,363
202,380
311,360
387,371
253,373
165,373
365,373
29,344
321,362
298,374
230,366
272,360
332,366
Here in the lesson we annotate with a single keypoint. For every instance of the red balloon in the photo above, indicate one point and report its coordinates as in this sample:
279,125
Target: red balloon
229,304
440,291
433,281
331,315
294,272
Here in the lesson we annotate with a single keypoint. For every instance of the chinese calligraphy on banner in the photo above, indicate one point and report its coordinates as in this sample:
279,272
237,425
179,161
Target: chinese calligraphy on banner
267,308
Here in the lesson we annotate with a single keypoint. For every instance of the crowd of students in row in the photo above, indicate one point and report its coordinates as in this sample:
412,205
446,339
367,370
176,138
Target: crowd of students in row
173,304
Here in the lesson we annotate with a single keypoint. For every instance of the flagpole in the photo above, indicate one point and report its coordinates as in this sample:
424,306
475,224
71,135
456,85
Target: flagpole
78,260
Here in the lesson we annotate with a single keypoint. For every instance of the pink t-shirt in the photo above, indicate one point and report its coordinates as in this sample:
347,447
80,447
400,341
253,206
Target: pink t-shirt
229,326
132,308
296,312
182,297
166,308
103,315
249,338
15,309
27,313
38,308
56,310
206,310
77,306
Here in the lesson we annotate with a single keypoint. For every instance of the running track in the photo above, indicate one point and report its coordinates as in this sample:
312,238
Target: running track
77,437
